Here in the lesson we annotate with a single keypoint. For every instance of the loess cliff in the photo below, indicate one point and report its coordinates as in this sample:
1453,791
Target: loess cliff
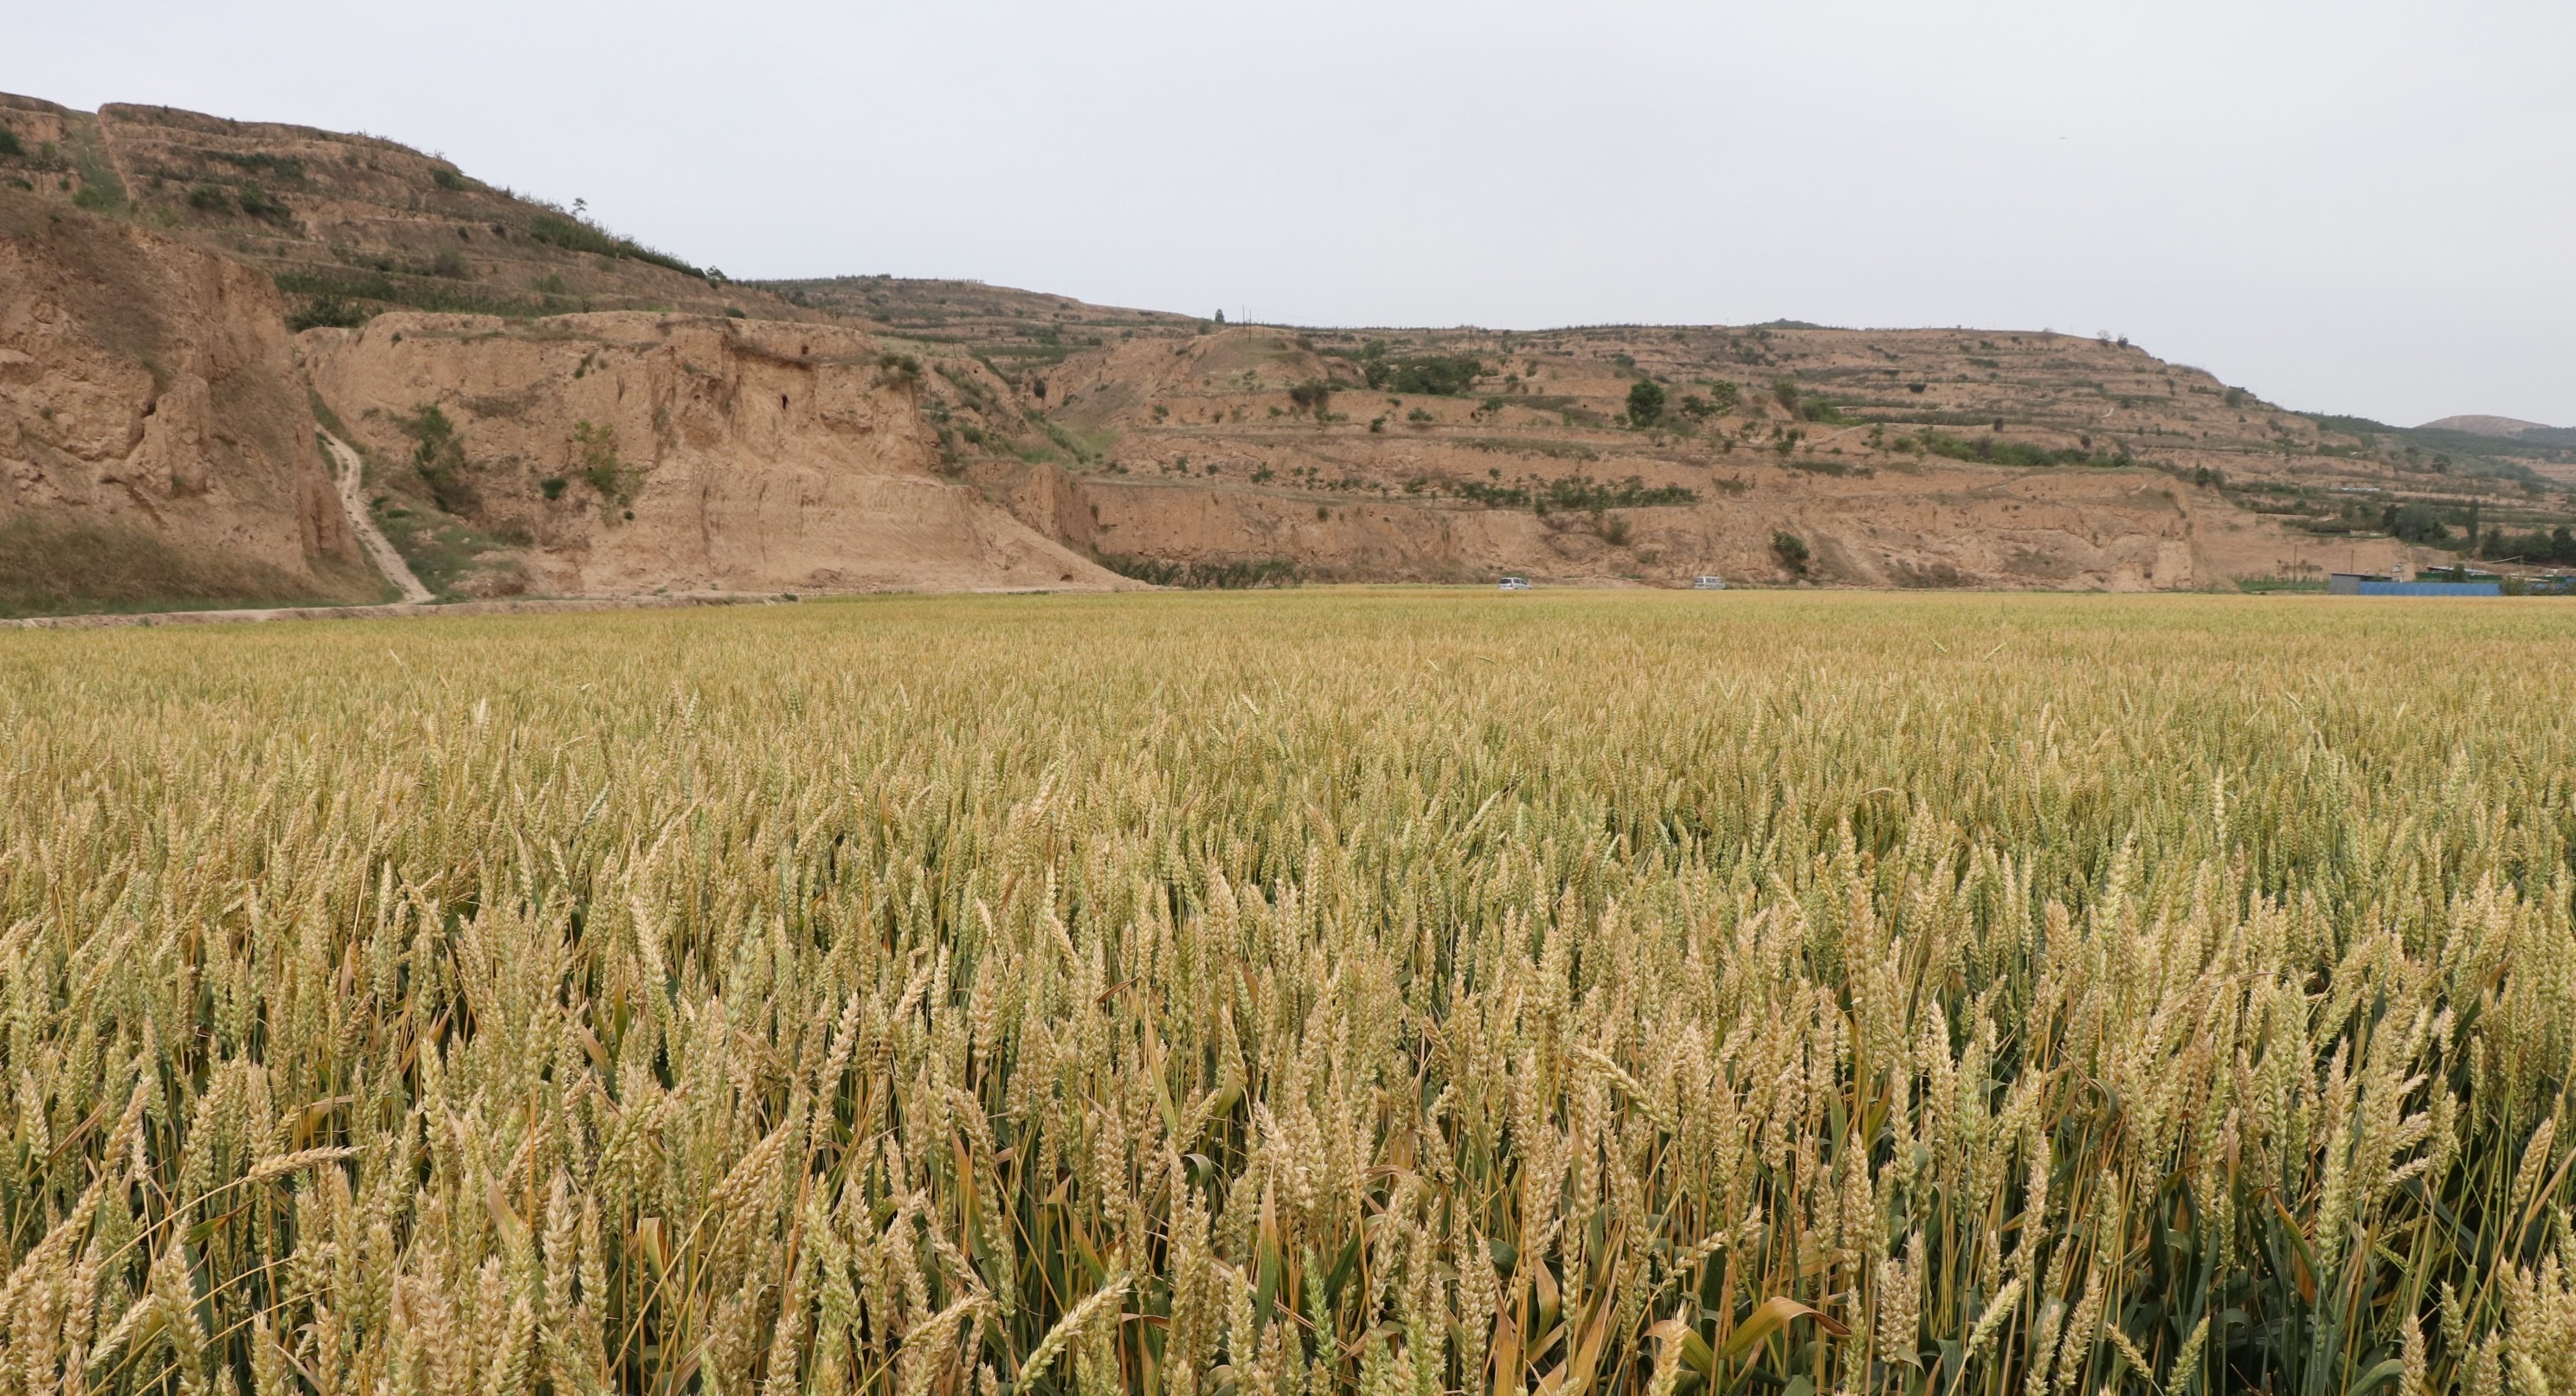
154,444
623,452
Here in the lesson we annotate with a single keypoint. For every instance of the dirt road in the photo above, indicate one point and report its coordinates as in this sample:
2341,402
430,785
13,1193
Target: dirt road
353,502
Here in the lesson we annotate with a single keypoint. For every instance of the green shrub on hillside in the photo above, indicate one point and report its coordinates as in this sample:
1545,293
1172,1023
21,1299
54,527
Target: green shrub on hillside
601,466
1645,403
419,293
1990,450
1575,494
897,370
1791,550
438,456
1821,465
1434,375
555,230
1204,576
285,169
326,311
261,204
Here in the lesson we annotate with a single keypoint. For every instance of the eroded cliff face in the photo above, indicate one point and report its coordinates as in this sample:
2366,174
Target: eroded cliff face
153,442
2123,530
627,452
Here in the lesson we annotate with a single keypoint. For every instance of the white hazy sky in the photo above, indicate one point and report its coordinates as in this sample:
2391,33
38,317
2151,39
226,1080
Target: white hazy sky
2346,205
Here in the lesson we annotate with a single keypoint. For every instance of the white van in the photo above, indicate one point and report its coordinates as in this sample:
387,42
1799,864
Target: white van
1515,584
1708,582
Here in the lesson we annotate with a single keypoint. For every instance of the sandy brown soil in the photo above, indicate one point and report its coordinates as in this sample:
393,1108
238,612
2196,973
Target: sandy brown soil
626,452
147,392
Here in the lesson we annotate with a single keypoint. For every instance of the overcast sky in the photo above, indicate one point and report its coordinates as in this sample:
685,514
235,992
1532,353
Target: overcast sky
2344,205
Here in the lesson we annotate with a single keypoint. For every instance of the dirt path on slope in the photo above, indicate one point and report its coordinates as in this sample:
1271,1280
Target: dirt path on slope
353,489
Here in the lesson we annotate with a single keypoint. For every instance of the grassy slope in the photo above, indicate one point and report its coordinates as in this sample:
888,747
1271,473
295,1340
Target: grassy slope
62,567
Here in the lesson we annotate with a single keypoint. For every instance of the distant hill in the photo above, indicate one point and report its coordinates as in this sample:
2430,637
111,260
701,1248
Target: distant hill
2530,440
2485,426
1185,448
543,404
2535,454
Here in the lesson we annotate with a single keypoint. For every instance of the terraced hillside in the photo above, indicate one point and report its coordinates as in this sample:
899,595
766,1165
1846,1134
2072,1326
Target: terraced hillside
348,224
1186,449
1162,446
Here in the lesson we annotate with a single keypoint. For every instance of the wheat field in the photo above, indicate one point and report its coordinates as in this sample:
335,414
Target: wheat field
1279,995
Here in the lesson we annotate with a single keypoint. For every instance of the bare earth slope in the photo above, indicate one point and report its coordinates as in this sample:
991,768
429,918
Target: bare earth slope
153,444
620,453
